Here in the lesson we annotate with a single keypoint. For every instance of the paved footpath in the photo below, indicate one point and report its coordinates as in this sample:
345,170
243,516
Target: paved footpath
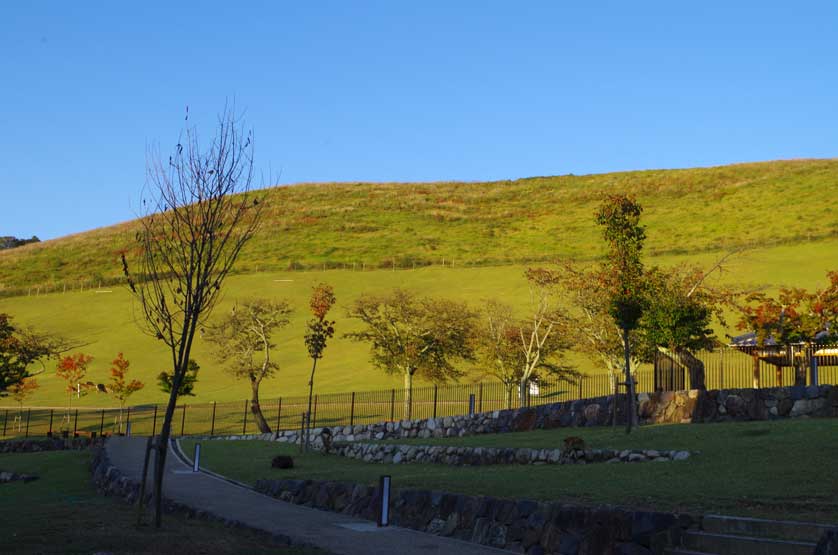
334,532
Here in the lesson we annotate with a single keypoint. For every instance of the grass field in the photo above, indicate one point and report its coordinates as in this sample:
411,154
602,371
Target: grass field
62,513
686,211
107,323
781,469
692,215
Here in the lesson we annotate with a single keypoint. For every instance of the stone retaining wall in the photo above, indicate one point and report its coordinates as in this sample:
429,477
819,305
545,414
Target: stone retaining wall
535,528
49,444
668,407
388,453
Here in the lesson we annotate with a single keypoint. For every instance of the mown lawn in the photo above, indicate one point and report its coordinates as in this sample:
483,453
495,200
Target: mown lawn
62,513
783,469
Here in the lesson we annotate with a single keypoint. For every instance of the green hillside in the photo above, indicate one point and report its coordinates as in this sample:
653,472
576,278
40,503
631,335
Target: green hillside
781,207
503,222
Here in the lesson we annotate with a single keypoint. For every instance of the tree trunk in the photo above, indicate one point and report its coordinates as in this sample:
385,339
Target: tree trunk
631,416
256,408
162,450
756,371
408,395
308,413
800,367
509,387
522,392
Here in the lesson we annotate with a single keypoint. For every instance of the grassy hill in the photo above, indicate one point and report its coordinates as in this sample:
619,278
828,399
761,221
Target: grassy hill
488,229
503,222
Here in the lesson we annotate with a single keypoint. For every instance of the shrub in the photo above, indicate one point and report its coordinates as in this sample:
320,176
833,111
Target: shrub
282,461
574,443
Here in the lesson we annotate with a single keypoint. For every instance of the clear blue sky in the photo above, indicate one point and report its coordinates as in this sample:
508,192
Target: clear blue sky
402,91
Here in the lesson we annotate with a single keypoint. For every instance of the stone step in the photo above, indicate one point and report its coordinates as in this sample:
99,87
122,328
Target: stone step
759,527
728,544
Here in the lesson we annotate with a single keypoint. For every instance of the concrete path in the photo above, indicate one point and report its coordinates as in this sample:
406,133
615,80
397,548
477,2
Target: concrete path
337,533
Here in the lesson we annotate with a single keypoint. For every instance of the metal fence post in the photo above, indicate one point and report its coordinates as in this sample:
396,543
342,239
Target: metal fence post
5,421
392,403
50,421
102,423
182,420
154,422
435,394
580,386
278,413
28,415
352,411
302,432
127,421
314,416
480,400
212,425
76,423
244,419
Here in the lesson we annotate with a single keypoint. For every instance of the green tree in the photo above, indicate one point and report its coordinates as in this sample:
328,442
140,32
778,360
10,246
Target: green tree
677,318
21,349
165,380
415,336
243,340
619,217
318,331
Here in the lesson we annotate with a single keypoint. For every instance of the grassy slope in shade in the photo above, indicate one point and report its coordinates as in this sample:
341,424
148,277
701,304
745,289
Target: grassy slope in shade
62,513
106,321
745,468
688,210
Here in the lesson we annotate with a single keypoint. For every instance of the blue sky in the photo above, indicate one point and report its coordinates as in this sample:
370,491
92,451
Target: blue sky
401,91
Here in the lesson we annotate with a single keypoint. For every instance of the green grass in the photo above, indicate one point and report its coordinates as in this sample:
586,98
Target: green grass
62,513
687,211
692,216
106,321
781,469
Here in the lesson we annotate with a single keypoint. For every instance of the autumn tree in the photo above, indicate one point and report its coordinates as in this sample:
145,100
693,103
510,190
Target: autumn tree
187,384
243,342
198,215
120,388
73,369
20,349
619,217
415,336
319,330
794,316
20,392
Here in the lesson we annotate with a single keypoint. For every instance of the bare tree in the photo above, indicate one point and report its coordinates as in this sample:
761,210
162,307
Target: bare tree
198,216
243,339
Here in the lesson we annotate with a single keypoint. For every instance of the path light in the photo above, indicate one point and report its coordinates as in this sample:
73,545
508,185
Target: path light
196,458
384,508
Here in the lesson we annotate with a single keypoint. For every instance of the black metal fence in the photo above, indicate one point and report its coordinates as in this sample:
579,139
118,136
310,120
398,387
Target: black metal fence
724,369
